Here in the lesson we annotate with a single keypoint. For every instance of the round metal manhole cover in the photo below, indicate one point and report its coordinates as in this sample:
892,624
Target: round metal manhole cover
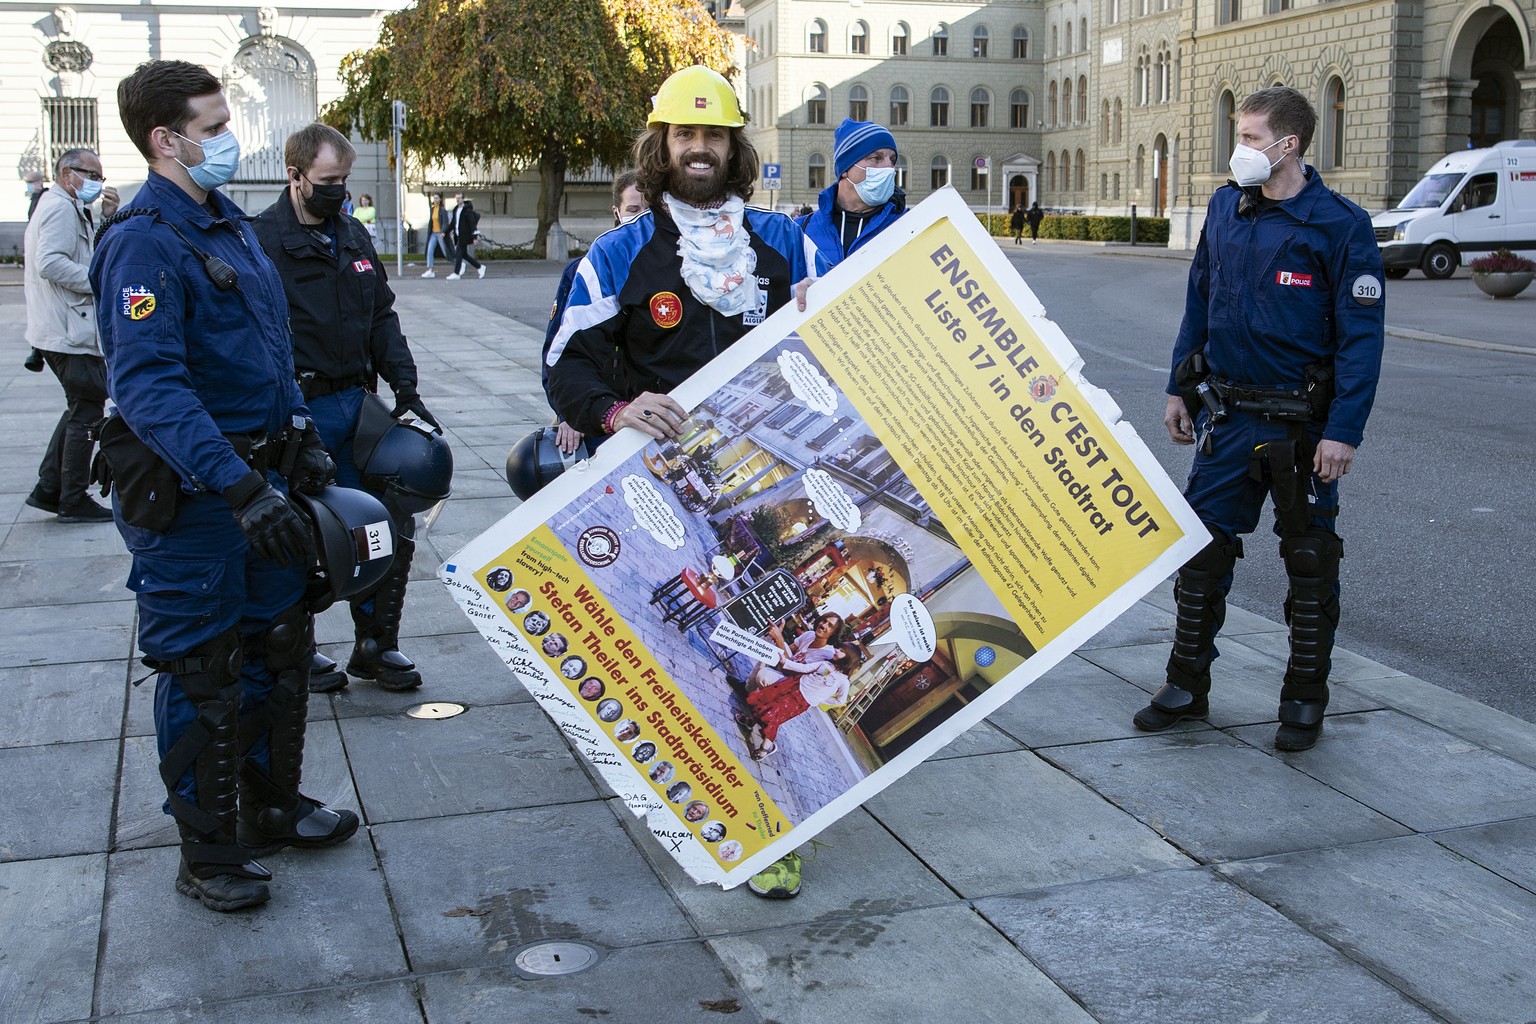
436,709
551,959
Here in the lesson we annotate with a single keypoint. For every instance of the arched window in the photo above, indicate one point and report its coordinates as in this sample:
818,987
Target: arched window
980,41
1055,40
271,94
1050,107
1226,130
1066,101
816,37
858,103
1164,73
816,104
1066,39
901,106
940,41
1104,122
1066,171
816,172
1333,123
858,38
1082,33
938,107
938,173
1050,171
1020,43
1018,109
981,108
1143,75
1114,11
1082,99
1082,170
1119,118
1117,185
1103,187
1141,166
899,36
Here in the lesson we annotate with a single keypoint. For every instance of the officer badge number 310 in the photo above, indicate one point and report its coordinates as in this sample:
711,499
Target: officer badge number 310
1366,290
138,302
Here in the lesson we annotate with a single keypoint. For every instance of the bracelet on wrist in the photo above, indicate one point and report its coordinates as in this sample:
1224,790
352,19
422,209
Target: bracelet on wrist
613,415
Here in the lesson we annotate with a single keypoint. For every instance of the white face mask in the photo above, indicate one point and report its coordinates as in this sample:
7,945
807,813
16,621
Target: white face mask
1250,166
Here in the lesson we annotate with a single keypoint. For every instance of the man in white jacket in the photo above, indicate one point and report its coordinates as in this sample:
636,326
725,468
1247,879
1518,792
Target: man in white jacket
61,323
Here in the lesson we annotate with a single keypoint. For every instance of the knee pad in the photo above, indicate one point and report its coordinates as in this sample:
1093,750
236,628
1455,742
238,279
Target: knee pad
1312,610
1201,608
288,642
210,676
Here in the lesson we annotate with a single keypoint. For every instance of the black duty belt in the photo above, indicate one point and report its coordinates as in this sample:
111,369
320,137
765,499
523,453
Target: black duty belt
1282,403
315,386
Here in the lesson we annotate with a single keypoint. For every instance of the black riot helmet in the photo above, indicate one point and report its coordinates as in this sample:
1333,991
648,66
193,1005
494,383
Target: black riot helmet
355,536
408,465
534,461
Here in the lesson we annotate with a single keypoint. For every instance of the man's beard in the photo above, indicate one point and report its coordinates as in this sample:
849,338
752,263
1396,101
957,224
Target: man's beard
693,190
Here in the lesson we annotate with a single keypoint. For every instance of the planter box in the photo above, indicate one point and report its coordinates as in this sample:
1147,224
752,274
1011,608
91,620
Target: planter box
1503,285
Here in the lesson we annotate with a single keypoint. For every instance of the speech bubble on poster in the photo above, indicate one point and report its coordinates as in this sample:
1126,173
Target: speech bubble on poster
728,634
807,383
912,628
652,513
831,501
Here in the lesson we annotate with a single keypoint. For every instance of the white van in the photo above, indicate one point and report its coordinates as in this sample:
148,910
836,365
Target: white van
1470,203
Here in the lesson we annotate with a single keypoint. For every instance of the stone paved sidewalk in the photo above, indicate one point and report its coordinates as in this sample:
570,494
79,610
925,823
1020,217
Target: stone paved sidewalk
1051,866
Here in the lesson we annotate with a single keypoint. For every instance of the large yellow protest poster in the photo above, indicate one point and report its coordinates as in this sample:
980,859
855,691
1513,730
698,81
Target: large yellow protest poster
884,517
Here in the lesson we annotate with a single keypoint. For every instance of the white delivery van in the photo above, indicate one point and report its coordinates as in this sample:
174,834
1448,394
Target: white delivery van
1470,203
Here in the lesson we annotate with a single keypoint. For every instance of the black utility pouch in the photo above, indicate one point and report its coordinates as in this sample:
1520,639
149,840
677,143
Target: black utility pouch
1319,384
148,489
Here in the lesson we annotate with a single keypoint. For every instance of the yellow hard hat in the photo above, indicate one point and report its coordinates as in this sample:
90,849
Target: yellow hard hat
696,95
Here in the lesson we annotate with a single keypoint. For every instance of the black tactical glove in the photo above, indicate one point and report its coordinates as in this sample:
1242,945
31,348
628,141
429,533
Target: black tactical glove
269,522
313,467
409,401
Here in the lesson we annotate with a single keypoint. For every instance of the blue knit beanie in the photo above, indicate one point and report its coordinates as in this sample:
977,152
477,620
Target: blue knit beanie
855,140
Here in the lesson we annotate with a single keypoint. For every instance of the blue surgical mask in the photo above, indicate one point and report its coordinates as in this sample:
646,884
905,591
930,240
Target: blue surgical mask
878,186
221,157
89,191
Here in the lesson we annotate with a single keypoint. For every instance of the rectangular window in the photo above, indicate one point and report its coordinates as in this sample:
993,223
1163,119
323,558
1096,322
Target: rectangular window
858,110
782,416
1020,48
1018,115
817,179
71,125
858,43
898,46
938,115
816,111
898,113
798,427
980,180
1227,11
941,46
939,177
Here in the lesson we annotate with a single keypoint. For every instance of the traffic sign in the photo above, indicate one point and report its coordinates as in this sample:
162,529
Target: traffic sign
773,184
983,162
772,172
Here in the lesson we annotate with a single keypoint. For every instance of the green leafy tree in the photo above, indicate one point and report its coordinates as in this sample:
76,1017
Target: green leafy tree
551,83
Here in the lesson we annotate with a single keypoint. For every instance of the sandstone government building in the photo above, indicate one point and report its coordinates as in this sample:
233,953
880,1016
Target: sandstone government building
1085,105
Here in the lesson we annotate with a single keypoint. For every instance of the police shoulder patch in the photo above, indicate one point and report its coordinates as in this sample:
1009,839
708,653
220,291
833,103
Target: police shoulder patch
138,302
1366,290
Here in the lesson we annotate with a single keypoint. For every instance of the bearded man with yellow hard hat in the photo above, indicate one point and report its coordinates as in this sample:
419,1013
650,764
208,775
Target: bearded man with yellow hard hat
657,298
676,286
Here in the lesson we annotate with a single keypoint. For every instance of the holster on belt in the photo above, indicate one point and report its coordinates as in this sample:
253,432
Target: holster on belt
148,489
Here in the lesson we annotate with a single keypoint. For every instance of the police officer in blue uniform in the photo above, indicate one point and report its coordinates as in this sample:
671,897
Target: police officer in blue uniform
346,336
1275,371
193,326
861,203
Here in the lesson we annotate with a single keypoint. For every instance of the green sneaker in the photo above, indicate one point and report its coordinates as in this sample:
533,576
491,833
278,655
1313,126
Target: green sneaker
779,880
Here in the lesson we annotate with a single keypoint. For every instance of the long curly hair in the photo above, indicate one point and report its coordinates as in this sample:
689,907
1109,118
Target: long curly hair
653,164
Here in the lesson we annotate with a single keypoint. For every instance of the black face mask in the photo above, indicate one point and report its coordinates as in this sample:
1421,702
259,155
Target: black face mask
325,201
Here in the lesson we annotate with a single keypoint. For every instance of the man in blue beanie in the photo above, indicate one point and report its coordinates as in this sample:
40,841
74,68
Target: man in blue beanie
861,203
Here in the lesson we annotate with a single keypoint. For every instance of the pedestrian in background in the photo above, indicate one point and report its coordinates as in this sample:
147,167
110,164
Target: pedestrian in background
368,215
437,237
1036,215
1016,223
1274,374
36,186
466,223
61,325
